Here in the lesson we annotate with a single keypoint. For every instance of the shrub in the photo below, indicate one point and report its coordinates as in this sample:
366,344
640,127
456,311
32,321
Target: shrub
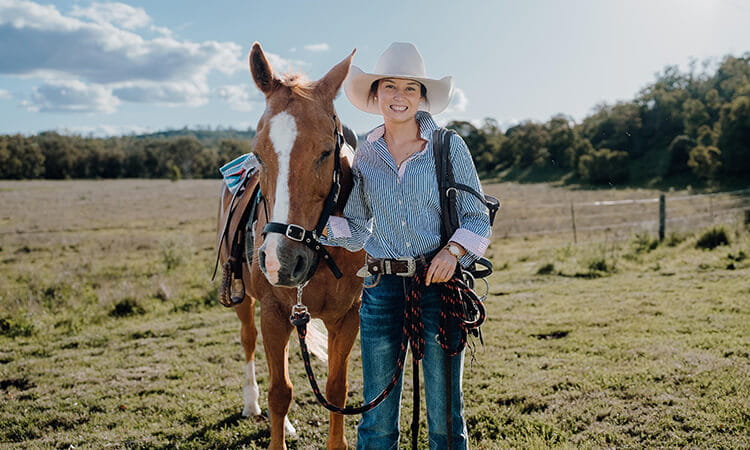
644,243
546,269
713,238
604,166
674,239
13,327
173,253
127,307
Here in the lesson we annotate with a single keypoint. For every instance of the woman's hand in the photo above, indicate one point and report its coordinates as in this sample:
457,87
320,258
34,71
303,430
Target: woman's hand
442,267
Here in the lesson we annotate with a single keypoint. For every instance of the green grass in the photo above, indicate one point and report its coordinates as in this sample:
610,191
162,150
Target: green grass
110,334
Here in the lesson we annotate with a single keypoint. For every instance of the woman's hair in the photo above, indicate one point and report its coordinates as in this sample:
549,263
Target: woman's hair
374,92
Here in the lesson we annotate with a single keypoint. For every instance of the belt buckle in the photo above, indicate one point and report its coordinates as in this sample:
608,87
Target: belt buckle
299,232
411,267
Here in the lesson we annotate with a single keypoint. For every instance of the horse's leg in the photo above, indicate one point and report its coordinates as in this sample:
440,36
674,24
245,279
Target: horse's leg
275,326
249,335
341,336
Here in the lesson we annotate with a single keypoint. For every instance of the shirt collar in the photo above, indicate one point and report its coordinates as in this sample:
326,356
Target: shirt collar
426,126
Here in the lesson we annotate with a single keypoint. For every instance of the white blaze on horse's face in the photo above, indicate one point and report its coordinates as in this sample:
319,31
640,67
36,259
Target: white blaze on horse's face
283,133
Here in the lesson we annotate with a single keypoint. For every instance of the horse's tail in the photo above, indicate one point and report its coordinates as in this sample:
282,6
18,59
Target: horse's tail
317,339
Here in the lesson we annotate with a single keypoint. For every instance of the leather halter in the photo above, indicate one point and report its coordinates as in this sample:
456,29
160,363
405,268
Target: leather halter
310,238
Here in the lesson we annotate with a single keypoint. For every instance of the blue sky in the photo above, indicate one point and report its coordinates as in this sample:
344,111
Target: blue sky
137,66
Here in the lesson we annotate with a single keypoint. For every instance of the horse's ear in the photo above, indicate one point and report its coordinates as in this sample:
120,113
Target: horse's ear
330,84
261,69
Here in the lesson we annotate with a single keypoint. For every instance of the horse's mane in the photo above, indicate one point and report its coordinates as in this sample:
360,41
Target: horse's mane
298,84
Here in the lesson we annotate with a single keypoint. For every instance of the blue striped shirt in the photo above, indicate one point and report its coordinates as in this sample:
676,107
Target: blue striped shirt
394,212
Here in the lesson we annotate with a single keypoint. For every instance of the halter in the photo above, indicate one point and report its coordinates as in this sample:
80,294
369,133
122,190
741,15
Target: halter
310,238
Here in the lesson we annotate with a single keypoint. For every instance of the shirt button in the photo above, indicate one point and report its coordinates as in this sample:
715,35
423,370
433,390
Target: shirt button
408,244
399,202
403,222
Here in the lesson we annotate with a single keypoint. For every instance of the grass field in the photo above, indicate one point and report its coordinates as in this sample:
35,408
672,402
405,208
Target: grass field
110,335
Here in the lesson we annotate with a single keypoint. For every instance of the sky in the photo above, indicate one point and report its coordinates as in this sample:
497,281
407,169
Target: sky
110,68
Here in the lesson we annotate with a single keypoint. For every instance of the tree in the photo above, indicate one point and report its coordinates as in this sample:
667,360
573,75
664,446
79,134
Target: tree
705,161
618,126
604,166
679,153
695,115
20,158
527,143
562,137
734,137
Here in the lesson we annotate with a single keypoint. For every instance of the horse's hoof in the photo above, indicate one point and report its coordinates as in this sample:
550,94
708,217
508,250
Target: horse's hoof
251,410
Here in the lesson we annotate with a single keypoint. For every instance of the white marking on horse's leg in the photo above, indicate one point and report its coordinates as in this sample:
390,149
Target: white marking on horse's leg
250,392
290,430
283,133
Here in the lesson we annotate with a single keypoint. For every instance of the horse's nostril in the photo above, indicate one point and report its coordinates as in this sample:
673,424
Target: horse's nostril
262,259
299,267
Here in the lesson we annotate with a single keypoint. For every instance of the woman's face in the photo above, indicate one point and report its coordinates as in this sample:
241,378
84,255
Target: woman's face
398,99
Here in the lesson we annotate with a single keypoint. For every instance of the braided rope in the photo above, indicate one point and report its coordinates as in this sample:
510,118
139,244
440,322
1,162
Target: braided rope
469,315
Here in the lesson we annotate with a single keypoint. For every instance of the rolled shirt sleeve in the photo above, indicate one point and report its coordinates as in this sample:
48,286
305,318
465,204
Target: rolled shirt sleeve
355,228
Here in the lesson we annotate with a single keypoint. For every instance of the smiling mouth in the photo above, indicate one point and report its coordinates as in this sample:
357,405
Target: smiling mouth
399,108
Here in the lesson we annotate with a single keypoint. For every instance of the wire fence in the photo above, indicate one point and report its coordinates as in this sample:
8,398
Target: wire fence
623,217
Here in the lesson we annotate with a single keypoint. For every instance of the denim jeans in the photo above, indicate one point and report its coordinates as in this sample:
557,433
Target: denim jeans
381,329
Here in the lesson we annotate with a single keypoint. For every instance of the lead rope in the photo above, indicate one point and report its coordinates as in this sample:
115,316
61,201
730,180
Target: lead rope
299,318
453,307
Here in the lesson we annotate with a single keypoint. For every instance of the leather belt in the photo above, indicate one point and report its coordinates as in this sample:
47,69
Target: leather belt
404,267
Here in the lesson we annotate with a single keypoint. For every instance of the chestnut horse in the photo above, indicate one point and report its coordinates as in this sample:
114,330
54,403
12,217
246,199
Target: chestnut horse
295,142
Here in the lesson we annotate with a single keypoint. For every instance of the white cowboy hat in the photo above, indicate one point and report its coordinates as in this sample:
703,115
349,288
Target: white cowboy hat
400,60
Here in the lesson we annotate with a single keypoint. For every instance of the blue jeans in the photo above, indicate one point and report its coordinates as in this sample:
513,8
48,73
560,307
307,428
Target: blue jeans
381,329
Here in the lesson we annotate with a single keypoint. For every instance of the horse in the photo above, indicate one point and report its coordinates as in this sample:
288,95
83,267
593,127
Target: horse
297,140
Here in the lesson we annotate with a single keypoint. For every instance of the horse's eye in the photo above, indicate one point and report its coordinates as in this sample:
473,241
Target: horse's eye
260,161
324,155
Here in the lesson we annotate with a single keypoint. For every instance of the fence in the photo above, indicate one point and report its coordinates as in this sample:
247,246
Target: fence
658,214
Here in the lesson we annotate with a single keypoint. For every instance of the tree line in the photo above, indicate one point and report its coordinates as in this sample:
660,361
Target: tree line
162,155
689,124
684,123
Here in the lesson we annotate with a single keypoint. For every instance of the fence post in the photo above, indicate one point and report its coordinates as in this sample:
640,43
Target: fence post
573,218
662,216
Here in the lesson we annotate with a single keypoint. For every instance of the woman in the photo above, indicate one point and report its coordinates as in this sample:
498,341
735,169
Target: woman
394,213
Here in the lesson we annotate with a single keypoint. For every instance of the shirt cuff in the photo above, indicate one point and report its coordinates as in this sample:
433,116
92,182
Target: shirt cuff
338,227
472,242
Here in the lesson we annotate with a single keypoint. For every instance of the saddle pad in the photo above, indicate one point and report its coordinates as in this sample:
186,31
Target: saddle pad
236,171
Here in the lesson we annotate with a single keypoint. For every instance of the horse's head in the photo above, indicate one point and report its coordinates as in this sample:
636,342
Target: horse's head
295,142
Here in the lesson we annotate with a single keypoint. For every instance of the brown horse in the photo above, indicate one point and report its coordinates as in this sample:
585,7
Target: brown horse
295,142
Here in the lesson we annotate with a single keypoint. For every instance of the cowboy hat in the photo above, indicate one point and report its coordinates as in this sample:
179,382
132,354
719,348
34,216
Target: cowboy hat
400,60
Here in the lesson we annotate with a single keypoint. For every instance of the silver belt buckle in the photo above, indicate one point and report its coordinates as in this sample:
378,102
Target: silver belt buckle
411,267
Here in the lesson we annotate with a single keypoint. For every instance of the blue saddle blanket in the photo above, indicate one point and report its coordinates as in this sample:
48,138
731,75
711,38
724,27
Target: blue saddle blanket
236,171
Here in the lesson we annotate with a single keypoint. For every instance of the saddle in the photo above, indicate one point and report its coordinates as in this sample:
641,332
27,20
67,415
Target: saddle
236,241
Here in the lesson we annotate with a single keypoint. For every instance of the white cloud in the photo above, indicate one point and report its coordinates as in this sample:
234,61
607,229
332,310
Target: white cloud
71,96
97,45
322,47
282,65
458,103
105,130
237,95
114,13
5,95
170,94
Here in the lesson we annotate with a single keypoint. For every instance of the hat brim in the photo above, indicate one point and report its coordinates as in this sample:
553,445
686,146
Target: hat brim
357,88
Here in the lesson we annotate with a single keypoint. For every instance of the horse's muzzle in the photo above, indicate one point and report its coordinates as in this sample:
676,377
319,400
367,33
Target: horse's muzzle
286,263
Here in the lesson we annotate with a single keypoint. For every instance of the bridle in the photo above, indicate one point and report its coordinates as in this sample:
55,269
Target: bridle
310,238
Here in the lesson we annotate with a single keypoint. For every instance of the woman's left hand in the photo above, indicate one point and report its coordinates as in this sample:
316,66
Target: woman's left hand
441,268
